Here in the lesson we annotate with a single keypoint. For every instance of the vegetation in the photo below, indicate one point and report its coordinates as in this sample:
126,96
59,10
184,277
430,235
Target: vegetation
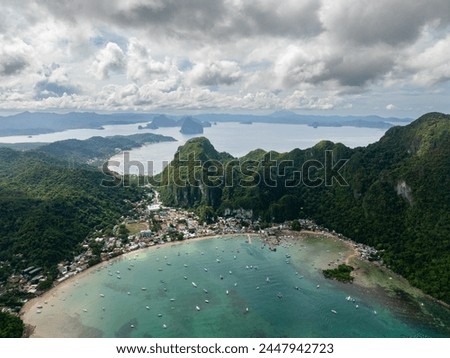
10,326
98,149
341,273
47,210
392,195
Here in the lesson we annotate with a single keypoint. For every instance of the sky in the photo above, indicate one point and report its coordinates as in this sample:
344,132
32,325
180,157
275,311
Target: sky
355,57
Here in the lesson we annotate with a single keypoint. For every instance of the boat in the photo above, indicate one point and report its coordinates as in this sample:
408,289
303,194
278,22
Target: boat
221,277
197,308
356,306
185,277
147,307
375,312
132,325
218,261
227,292
38,311
185,265
159,315
39,307
164,326
103,308
267,279
318,286
279,295
84,310
234,257
128,293
205,290
235,284
206,301
102,295
143,288
118,272
172,299
257,287
206,270
160,269
334,311
119,277
246,310
230,272
194,284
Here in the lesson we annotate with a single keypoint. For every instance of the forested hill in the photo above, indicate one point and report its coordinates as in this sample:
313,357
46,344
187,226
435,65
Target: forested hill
99,149
395,194
47,209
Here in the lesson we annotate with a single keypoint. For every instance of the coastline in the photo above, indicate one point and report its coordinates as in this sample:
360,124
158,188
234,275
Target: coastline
323,247
31,306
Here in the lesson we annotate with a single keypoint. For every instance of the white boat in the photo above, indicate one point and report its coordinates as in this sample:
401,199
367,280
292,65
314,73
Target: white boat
206,270
227,292
185,277
375,312
194,284
39,307
172,299
235,284
132,325
205,290
118,272
334,311
318,286
164,326
206,301
185,265
147,307
230,272
143,288
159,315
160,269
218,261
267,279
246,310
197,308
38,311
128,293
119,277
84,310
102,295
356,306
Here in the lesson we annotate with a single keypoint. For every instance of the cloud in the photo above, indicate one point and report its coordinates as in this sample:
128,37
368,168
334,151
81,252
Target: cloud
55,83
109,59
14,56
390,107
393,22
142,67
215,73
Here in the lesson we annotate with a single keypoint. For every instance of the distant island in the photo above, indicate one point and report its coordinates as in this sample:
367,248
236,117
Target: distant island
190,126
34,123
94,150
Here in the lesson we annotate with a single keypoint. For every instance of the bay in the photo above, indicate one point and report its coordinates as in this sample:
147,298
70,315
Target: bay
251,292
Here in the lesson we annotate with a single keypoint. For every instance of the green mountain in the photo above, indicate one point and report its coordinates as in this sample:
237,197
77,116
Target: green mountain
48,209
99,149
393,194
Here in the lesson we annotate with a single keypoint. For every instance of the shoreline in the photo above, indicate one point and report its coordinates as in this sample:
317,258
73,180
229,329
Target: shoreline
58,288
304,239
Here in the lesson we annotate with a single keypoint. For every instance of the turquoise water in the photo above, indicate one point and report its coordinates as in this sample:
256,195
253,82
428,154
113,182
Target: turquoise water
280,293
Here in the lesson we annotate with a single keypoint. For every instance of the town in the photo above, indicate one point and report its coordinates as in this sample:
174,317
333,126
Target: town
150,223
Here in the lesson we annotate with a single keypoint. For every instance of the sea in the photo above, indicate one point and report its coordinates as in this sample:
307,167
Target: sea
231,137
232,287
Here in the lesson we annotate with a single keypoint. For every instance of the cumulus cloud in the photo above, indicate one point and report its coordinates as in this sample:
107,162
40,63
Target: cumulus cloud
14,56
142,67
156,54
215,73
109,59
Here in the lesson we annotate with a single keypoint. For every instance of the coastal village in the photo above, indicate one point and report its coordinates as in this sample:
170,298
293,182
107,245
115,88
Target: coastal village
151,224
